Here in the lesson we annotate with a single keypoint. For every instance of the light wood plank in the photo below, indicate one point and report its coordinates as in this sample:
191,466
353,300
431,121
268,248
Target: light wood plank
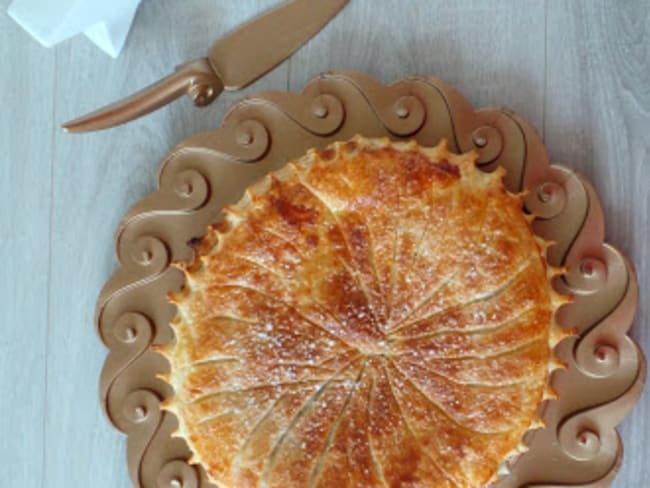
598,121
96,178
27,83
492,51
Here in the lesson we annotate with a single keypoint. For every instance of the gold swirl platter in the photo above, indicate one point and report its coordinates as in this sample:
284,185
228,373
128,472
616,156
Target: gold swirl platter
606,369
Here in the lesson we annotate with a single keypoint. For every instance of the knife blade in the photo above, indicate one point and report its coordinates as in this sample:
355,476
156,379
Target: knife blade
233,62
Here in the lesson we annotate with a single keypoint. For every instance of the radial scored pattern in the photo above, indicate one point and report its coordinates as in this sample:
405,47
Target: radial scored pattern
375,314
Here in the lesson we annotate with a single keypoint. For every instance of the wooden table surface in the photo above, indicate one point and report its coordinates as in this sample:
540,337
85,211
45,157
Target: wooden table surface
578,70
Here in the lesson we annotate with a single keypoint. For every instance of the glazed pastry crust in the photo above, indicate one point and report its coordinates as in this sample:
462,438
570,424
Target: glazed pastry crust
375,314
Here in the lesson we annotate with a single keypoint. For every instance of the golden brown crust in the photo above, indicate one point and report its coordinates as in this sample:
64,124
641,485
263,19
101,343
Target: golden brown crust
375,314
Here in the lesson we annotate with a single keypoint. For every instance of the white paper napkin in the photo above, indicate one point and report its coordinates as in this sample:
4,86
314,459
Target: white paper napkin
106,23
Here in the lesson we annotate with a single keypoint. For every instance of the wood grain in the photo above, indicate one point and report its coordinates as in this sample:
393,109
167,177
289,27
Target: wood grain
25,203
579,70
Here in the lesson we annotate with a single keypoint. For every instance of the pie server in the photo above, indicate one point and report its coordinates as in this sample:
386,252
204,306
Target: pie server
233,62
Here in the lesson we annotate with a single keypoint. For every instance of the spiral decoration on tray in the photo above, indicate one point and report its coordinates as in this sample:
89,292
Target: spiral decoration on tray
262,132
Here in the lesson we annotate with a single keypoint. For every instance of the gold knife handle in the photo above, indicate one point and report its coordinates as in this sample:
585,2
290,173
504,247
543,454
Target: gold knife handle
195,79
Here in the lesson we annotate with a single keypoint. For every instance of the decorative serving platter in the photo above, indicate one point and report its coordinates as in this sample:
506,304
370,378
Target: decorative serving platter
606,369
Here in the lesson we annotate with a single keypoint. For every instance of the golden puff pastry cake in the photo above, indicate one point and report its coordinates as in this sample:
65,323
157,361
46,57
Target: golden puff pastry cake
375,314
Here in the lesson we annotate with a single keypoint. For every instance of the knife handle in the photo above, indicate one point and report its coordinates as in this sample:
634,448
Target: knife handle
196,79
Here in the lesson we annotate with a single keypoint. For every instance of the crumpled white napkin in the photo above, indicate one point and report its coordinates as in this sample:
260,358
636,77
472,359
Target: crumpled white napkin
106,23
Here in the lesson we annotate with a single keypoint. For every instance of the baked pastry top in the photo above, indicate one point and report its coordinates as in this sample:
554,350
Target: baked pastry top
375,314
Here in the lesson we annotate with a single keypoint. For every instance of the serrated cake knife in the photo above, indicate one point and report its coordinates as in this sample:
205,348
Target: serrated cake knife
233,62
